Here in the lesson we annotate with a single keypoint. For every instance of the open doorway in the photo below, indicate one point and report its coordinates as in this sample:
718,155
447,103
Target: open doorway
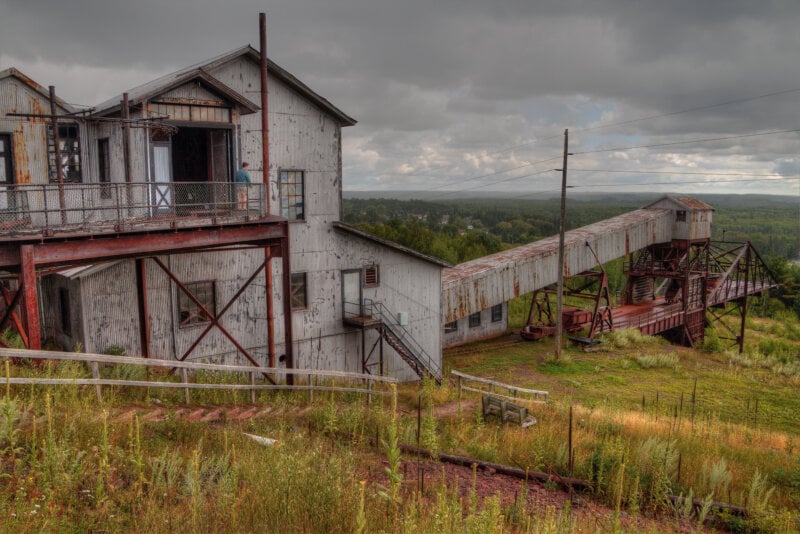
201,159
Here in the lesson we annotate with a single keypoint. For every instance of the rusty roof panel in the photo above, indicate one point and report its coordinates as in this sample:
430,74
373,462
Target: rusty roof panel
490,280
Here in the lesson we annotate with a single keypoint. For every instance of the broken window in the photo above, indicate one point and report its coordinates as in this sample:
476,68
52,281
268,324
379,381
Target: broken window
497,313
371,275
299,291
292,185
475,320
451,327
6,170
70,152
190,313
104,168
680,216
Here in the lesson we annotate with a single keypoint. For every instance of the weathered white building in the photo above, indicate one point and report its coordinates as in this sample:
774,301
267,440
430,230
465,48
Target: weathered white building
187,134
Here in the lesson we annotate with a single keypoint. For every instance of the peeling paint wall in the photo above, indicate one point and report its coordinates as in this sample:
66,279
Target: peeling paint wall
464,333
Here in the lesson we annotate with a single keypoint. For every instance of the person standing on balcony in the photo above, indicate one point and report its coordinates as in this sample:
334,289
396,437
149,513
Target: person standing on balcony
242,179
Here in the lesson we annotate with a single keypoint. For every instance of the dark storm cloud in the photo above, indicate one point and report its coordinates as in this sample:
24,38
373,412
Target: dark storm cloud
450,83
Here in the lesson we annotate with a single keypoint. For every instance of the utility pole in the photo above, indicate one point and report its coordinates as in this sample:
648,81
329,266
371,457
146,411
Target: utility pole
561,230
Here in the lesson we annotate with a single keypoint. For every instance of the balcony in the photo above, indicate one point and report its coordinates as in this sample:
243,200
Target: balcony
70,209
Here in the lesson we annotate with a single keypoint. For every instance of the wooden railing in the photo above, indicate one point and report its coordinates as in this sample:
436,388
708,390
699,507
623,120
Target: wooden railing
346,380
499,389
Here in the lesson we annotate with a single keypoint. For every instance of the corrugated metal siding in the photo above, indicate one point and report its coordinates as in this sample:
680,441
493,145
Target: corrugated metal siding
485,282
29,136
192,91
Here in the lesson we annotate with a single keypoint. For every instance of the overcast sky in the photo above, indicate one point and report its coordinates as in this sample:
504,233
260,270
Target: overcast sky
474,94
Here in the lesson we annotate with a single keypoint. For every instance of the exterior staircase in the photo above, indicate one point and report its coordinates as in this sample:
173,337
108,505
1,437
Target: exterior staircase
376,315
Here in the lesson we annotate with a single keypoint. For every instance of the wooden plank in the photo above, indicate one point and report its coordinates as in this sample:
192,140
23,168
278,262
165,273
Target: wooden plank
515,399
172,364
179,385
499,384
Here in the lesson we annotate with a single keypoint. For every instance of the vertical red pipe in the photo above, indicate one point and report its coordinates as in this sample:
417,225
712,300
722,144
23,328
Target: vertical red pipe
262,26
287,305
57,154
31,294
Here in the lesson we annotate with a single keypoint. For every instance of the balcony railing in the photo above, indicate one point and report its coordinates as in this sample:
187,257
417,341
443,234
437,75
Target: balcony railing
50,209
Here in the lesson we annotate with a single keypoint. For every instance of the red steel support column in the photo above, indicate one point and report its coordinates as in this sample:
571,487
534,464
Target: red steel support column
287,308
29,287
144,315
262,26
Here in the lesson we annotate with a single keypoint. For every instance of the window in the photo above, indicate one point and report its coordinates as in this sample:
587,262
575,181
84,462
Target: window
103,168
63,308
451,327
680,216
299,291
475,320
6,169
70,152
497,313
190,312
372,275
292,185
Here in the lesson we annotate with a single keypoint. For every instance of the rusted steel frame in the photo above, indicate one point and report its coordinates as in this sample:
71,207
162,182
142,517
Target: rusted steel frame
213,319
126,146
125,246
221,313
372,351
287,306
30,292
262,27
11,314
14,315
57,151
141,300
743,314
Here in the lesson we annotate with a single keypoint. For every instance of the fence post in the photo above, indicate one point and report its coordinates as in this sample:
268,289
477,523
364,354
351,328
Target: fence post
369,391
185,377
253,389
311,391
96,376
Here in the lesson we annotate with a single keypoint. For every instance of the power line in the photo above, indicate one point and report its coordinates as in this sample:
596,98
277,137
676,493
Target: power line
699,140
526,164
445,193
774,175
642,184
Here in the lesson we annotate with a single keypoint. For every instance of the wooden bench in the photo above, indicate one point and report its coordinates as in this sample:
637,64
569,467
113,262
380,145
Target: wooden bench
506,411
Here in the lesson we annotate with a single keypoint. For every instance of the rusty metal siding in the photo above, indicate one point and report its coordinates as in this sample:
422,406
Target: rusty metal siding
29,136
482,283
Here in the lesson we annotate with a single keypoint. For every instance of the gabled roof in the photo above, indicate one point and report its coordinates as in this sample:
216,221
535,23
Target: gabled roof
152,90
686,201
352,230
43,92
164,83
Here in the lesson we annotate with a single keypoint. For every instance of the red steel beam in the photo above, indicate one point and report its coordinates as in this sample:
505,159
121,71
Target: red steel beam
11,314
93,249
29,289
211,317
221,313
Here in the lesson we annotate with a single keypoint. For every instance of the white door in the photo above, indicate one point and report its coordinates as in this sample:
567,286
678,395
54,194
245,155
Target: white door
351,293
161,189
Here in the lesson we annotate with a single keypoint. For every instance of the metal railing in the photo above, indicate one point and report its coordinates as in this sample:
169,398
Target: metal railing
392,322
54,208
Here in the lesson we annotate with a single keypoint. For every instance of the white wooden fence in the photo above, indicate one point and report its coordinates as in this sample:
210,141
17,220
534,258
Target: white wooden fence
313,376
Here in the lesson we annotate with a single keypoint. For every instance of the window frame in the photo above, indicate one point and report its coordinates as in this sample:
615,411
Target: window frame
497,313
451,327
680,216
180,302
475,319
290,211
8,155
293,293
71,154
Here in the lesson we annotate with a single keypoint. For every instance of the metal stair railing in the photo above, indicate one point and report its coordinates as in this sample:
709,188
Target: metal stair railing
411,346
